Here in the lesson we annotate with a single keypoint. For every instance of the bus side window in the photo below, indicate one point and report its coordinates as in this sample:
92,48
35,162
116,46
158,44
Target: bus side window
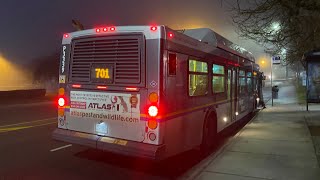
198,78
172,64
218,78
242,82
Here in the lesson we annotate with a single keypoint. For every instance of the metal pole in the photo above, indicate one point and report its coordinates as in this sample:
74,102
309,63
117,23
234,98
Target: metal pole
307,85
271,83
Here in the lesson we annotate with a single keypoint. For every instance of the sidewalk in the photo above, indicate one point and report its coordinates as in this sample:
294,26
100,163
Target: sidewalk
277,144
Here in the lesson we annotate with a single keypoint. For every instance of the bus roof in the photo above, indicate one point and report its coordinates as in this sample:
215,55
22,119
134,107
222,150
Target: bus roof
204,35
210,37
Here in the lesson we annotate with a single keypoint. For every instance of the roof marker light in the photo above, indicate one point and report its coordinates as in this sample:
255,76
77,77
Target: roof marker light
153,28
105,29
98,30
112,29
170,34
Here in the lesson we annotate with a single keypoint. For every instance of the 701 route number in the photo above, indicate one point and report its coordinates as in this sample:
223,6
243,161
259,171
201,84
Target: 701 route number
102,73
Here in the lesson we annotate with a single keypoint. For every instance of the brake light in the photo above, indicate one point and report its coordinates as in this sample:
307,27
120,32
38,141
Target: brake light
153,111
102,87
61,102
131,89
76,85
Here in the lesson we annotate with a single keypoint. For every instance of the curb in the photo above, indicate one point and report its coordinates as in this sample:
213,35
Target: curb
196,170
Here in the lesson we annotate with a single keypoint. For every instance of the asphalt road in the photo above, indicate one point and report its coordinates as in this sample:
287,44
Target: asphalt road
27,151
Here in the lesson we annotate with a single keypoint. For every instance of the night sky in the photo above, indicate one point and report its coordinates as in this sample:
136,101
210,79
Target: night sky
34,28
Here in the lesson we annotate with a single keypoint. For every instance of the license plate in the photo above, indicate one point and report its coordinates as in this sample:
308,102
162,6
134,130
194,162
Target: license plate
102,128
102,73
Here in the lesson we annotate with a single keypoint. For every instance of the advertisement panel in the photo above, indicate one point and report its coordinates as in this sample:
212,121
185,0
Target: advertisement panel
105,106
313,85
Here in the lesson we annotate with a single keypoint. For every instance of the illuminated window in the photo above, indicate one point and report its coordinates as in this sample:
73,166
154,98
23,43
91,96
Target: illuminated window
198,78
229,83
242,73
218,82
217,69
249,84
198,66
242,82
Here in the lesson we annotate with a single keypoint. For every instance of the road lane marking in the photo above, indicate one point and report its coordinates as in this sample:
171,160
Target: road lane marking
59,148
26,104
23,127
28,122
9,128
14,128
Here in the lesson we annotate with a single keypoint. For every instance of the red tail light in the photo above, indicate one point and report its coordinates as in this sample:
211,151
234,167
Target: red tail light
131,89
61,102
101,87
66,35
170,35
153,111
76,85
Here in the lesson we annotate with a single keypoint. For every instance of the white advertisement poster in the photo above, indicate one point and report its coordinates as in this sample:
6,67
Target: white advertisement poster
105,106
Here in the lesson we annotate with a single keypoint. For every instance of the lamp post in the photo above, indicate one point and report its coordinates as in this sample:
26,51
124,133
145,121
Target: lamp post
270,52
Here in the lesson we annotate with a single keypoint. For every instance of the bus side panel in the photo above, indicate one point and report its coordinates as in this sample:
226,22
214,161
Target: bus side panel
183,133
183,126
222,112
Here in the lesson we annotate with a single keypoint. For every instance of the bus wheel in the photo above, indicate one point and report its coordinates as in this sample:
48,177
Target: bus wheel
209,134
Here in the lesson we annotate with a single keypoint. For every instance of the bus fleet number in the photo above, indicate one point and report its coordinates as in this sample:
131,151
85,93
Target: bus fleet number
102,73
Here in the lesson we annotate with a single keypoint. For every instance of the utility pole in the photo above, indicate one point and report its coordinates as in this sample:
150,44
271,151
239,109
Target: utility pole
271,81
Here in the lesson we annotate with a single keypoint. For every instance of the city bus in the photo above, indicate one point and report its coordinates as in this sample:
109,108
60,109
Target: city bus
151,91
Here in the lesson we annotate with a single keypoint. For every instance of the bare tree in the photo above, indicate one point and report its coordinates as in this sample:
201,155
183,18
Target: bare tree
290,27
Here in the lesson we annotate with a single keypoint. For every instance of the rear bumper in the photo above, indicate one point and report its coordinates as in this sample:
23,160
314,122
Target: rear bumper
129,148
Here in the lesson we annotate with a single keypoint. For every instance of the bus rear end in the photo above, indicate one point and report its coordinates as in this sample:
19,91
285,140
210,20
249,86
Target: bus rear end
109,80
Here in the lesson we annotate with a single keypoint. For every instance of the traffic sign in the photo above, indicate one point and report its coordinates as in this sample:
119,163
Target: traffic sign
276,60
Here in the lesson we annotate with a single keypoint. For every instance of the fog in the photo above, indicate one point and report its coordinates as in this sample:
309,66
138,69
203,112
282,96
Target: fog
13,76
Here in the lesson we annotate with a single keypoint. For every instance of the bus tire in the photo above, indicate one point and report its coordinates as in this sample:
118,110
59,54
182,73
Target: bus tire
209,133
